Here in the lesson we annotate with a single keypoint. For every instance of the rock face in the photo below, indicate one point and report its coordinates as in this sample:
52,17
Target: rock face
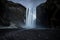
17,13
42,14
49,11
4,20
53,13
11,12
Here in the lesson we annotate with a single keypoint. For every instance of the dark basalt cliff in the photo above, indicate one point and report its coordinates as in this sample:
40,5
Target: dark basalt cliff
3,11
53,13
11,12
48,13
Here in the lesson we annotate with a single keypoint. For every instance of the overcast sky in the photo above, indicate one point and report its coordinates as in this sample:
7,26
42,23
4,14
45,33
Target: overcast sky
29,3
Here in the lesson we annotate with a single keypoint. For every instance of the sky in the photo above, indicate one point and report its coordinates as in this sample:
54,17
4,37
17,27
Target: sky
29,3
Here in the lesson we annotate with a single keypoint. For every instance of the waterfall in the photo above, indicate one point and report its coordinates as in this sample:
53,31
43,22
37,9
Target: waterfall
30,6
30,17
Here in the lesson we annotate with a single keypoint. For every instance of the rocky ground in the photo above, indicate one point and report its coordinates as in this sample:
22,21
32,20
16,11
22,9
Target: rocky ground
31,34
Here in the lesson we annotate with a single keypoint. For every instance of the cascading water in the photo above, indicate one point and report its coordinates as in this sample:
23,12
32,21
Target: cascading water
30,18
30,11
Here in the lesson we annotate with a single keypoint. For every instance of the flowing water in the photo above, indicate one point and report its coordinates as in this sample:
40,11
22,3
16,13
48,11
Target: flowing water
30,17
